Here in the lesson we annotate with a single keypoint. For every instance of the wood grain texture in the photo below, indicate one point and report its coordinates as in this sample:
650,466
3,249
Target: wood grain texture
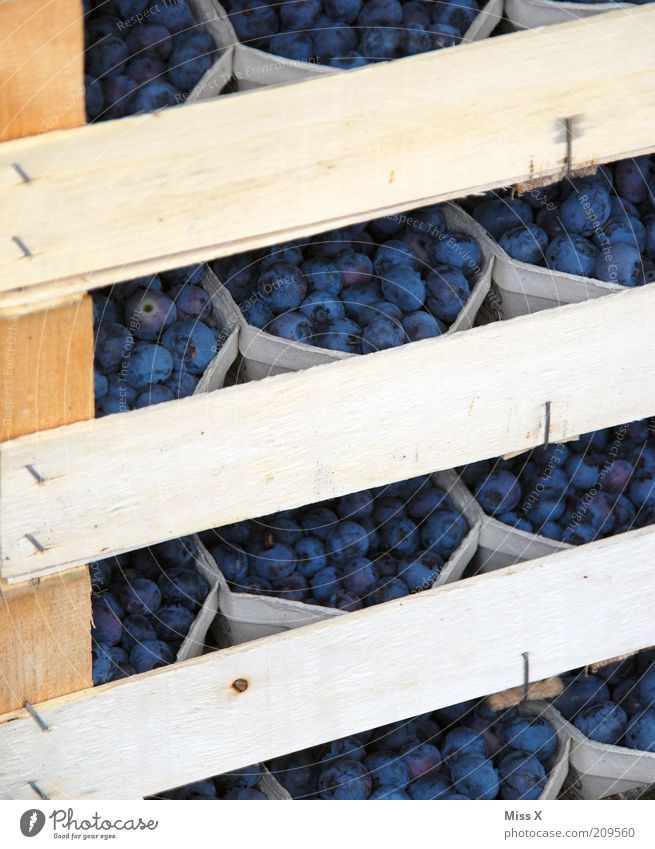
215,177
41,66
337,677
46,374
124,481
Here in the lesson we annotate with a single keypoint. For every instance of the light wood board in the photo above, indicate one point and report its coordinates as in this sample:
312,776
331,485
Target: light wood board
337,677
206,179
137,478
46,373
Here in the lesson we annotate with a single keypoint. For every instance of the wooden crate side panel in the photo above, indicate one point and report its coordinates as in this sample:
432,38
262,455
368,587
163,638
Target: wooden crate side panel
337,677
499,120
46,374
41,67
296,439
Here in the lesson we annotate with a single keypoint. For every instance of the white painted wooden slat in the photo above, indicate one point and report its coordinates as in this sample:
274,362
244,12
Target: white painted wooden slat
140,477
214,177
337,677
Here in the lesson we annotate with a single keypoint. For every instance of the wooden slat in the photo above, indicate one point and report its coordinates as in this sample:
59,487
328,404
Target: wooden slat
337,677
134,479
41,67
210,178
46,375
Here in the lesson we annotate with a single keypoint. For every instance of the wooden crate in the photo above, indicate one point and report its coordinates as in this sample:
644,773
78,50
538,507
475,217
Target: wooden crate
220,167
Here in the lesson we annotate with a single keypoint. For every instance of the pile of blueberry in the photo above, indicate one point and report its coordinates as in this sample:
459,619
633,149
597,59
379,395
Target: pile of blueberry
143,604
351,33
141,56
601,226
575,492
362,288
616,705
152,339
466,751
242,784
348,553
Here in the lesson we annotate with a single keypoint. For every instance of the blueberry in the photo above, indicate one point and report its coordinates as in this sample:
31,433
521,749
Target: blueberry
632,176
586,211
137,629
175,15
347,541
379,44
459,14
149,313
107,626
640,733
140,596
148,363
474,776
387,769
421,325
191,343
311,555
145,69
232,562
416,13
190,301
415,40
253,19
447,293
107,58
150,40
175,552
526,243
403,286
417,573
343,10
628,229
422,760
360,577
293,588
334,39
324,583
429,787
184,586
388,590
393,252
343,334
273,561
299,14
94,97
647,686
188,64
381,13
293,45
499,492
425,501
382,333
620,263
604,722
322,274
354,267
463,741
151,654
399,536
321,307
357,505
443,35
113,344
292,325
107,663
319,521
572,255
532,734
187,275
173,622
118,94
443,532
522,776
345,778
155,95
100,572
